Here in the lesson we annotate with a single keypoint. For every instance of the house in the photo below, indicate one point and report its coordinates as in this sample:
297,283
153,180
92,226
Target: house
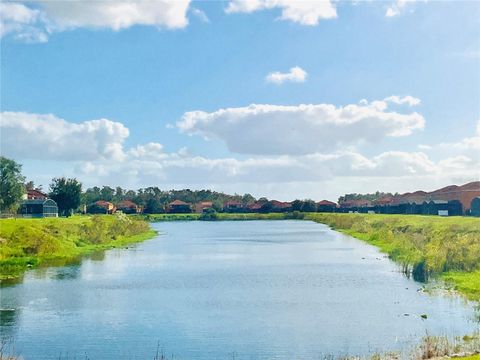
233,206
101,207
360,205
279,206
326,206
254,207
129,207
383,201
38,208
475,207
203,206
34,194
435,207
178,207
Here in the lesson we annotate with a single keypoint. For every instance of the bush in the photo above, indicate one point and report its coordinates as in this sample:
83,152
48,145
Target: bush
209,215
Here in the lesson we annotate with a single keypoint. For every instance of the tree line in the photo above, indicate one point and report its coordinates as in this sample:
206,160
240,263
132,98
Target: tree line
70,197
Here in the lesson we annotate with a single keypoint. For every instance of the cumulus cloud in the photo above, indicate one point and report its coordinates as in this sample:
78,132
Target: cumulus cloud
96,152
47,137
295,74
301,12
408,100
197,170
294,130
35,24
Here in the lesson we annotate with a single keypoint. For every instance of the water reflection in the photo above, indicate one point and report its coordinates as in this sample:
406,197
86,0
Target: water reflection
260,289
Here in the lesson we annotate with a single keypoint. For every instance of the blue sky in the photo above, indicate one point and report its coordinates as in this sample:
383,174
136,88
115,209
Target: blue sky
66,66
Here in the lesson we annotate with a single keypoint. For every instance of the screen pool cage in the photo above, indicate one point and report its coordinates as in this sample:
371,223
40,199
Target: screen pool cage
39,208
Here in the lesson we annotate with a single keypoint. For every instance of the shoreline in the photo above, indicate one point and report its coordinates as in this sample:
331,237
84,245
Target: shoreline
355,227
32,243
420,244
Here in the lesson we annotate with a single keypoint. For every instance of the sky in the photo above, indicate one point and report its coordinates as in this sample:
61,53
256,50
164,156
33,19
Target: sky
277,98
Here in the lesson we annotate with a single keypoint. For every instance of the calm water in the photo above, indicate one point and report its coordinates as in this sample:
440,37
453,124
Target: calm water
223,290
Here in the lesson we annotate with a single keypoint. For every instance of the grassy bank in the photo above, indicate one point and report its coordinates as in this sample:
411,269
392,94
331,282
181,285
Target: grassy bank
27,243
424,245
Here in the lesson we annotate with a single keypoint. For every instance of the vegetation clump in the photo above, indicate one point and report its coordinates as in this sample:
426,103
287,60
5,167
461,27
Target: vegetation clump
30,242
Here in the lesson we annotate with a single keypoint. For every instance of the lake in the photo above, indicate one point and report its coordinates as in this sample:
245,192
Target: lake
227,290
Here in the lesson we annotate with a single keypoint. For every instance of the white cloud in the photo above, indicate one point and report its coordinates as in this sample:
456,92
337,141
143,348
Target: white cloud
424,147
116,14
22,22
47,137
398,7
293,130
295,74
301,12
200,14
94,151
409,100
471,143
35,24
196,170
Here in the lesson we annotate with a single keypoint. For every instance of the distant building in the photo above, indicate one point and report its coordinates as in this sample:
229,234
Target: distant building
101,207
35,194
38,208
475,207
354,205
255,207
279,206
233,206
179,207
326,206
203,206
129,207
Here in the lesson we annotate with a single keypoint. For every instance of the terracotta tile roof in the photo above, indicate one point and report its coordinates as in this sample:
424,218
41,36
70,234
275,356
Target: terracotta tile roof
326,203
103,203
35,194
280,204
127,204
178,203
233,203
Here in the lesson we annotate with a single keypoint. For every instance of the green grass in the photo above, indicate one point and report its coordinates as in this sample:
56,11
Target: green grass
426,246
219,216
169,217
466,283
27,243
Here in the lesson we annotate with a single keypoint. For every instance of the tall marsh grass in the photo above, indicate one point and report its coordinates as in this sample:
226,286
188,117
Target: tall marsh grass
425,246
28,242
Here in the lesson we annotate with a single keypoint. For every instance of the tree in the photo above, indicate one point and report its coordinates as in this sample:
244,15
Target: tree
297,205
66,193
153,207
107,193
309,206
30,185
11,184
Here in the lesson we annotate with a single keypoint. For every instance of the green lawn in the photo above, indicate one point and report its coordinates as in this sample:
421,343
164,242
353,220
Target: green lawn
30,242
